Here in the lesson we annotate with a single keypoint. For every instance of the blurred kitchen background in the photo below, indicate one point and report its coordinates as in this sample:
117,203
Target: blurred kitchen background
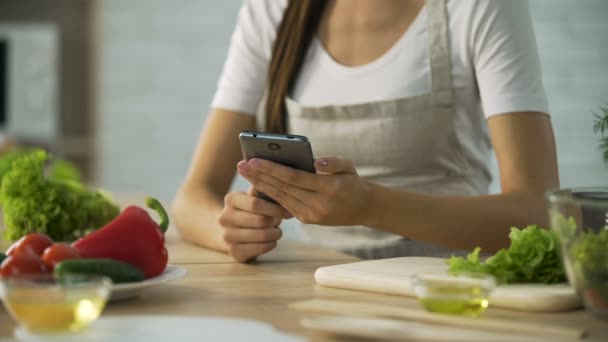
122,87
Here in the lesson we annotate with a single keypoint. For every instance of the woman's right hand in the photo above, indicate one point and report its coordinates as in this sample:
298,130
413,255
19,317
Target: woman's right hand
250,225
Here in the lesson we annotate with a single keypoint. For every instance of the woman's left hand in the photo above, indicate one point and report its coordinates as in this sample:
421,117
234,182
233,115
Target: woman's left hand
334,196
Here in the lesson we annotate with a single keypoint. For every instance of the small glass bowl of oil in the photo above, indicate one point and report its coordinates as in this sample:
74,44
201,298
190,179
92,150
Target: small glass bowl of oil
464,294
44,304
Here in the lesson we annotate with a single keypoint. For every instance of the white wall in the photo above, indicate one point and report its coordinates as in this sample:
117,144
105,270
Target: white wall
161,60
573,44
160,63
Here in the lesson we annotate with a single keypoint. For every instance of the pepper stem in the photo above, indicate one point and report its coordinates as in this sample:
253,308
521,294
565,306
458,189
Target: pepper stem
154,204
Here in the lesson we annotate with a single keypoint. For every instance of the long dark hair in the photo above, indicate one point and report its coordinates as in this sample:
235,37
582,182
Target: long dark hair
298,26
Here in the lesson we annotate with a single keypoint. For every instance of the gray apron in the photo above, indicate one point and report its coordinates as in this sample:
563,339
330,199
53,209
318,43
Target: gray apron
408,143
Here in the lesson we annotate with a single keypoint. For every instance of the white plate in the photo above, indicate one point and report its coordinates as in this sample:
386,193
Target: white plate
130,290
168,328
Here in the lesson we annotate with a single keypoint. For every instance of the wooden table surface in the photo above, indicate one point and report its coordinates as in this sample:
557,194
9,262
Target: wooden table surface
217,286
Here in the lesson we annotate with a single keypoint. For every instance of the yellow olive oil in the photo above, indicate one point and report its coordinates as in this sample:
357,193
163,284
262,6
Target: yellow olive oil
470,301
41,317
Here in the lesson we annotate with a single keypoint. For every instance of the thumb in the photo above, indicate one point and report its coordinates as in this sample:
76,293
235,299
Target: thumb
251,191
335,165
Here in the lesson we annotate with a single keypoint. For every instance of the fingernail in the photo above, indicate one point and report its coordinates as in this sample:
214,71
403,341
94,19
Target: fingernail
255,162
321,162
243,167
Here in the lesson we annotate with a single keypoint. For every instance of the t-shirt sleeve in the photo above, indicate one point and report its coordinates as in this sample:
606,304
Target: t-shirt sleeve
243,78
506,58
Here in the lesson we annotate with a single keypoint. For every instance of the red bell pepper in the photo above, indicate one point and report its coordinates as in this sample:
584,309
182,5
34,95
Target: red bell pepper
132,237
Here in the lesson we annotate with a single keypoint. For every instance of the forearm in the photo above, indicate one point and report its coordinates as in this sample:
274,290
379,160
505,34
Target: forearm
195,215
462,222
200,200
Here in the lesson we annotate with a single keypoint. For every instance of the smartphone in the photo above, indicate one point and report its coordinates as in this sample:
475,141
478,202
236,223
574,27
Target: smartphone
287,149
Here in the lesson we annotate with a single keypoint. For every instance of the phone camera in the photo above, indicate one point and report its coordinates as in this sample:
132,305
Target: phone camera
274,146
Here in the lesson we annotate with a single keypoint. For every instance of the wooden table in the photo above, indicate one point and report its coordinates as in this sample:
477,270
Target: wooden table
217,286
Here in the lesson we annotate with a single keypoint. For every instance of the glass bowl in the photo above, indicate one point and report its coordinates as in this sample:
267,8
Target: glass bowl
464,294
579,217
41,303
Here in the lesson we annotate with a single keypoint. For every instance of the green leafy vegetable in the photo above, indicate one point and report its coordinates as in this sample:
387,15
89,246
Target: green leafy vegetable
7,159
601,127
63,209
590,251
63,169
589,259
565,228
586,254
58,169
533,256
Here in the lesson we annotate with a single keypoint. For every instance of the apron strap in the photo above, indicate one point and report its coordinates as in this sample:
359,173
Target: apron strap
439,53
260,113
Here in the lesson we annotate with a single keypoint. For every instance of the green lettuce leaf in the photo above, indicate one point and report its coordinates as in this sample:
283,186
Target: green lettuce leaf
63,209
532,257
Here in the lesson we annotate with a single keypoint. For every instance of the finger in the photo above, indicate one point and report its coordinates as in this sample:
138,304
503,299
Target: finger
239,218
279,188
252,192
295,204
252,204
246,251
299,178
335,165
232,235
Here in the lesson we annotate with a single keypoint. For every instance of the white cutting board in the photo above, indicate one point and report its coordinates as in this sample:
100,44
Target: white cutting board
392,276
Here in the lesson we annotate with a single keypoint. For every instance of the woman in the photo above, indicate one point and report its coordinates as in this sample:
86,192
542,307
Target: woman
402,101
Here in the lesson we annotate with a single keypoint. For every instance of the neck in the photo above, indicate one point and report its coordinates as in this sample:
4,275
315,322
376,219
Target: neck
357,13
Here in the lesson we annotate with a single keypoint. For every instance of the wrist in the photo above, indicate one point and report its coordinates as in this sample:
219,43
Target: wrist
392,209
188,209
373,207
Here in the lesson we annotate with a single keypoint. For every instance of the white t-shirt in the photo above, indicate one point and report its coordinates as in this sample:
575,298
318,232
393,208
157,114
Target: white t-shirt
495,66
